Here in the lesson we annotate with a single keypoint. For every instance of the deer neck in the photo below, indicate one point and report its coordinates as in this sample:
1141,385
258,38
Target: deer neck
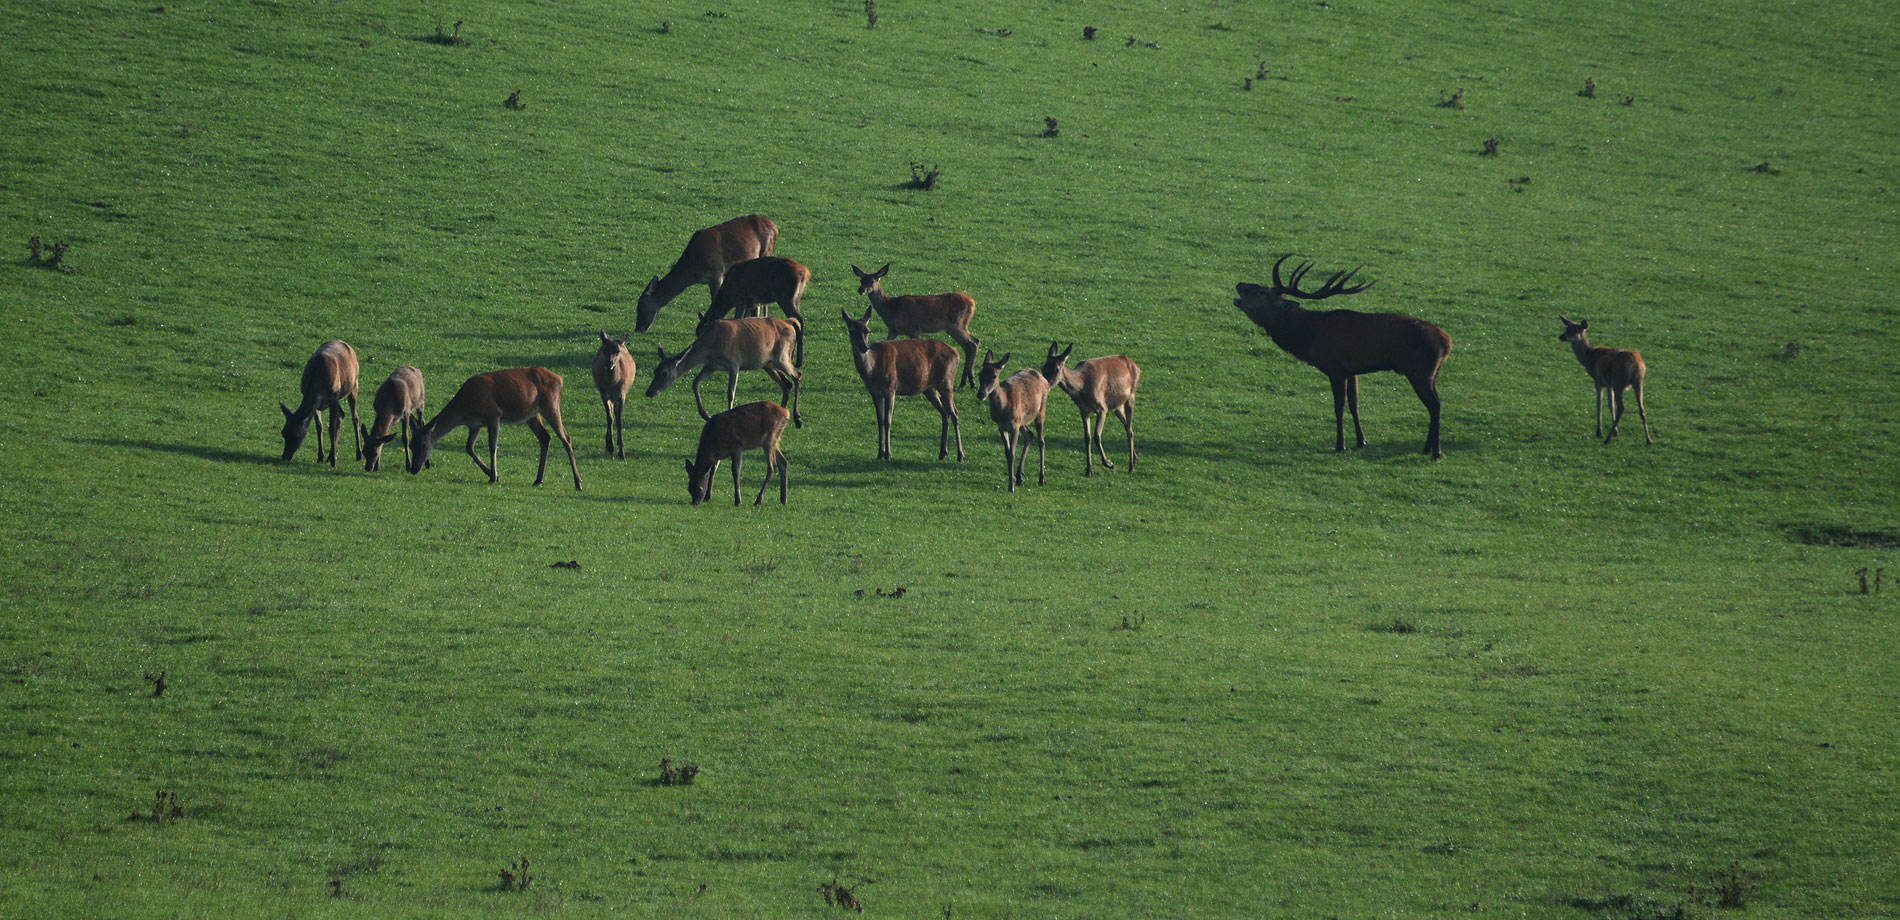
879,300
861,354
677,280
1580,346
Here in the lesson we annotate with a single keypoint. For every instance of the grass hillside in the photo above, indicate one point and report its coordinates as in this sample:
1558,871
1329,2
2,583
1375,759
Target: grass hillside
1542,677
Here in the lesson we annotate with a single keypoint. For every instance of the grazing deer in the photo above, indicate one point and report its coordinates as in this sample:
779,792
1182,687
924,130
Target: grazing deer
1613,369
729,435
1099,386
734,345
329,379
1344,343
524,395
767,279
709,254
912,315
1016,404
400,397
614,371
905,368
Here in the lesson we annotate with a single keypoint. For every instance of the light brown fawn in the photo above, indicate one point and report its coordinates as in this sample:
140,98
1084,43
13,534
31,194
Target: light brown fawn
734,345
907,367
727,436
1016,405
709,254
614,371
400,397
750,284
524,395
912,315
329,379
1099,386
1613,369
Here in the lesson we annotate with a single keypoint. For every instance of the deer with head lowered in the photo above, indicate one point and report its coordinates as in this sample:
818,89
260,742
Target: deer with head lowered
912,315
614,371
400,397
767,279
329,380
1016,405
1612,369
1345,343
1100,387
524,395
907,367
708,256
734,345
727,436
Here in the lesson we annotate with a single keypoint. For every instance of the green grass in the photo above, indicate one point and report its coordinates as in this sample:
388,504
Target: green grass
1622,669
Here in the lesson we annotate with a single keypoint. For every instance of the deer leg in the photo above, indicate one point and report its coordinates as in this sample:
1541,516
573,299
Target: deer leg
1599,410
798,386
1427,390
1101,426
1009,460
770,465
607,406
696,379
553,416
1042,465
1352,402
1643,413
356,426
784,474
1616,412
1339,414
1127,414
540,434
969,342
884,404
738,459
620,427
1088,443
956,423
470,447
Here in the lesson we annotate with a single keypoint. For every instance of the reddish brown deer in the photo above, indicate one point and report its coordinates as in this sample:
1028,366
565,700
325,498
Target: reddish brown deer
912,315
524,395
728,435
1613,369
1016,405
400,397
908,367
709,254
767,279
329,379
734,345
614,371
1344,343
1099,386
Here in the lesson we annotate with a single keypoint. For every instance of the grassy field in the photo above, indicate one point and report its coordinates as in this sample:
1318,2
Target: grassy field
1540,678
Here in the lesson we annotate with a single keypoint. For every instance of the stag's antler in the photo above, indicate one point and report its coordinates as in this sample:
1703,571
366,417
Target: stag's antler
1334,285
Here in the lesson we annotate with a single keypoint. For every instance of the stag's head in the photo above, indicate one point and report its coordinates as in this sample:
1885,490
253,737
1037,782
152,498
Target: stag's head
1262,303
1056,362
647,307
1573,332
664,373
869,280
991,373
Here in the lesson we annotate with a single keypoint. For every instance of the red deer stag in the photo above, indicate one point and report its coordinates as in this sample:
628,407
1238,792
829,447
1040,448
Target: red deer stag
1016,405
734,345
905,368
524,395
1344,343
767,279
728,435
1613,369
709,254
614,371
329,379
1099,386
400,397
912,315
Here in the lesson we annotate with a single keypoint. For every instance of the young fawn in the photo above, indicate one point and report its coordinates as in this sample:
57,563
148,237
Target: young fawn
1613,369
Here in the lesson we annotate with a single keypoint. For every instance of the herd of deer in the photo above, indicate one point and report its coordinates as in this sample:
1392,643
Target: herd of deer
734,260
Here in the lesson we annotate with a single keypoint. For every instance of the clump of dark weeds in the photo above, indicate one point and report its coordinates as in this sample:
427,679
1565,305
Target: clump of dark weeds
682,775
158,683
922,178
1050,126
1490,147
43,256
513,101
1454,101
516,877
837,895
452,36
1589,90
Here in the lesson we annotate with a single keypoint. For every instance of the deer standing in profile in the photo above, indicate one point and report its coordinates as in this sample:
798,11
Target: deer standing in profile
329,379
908,367
400,397
734,345
614,371
1345,343
767,279
524,395
1099,386
912,315
1613,369
728,435
709,254
1016,405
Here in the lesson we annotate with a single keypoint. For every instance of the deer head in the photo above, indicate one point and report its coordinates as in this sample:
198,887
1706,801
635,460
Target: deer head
667,371
1056,362
294,432
992,371
699,483
1573,332
420,443
647,307
1261,303
869,280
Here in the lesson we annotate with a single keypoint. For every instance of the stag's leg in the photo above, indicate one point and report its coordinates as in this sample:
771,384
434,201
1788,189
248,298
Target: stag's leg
1616,412
1637,385
1352,402
969,343
1427,390
884,404
540,434
1339,414
1009,459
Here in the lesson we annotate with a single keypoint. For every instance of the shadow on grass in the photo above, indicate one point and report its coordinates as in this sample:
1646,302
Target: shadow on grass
216,454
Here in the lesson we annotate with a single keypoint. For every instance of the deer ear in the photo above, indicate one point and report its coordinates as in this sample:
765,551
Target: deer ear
287,412
885,270
856,270
1003,360
1066,351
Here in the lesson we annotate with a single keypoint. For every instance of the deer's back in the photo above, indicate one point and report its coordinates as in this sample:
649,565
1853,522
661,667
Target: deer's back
748,343
742,428
332,371
1349,342
516,395
735,241
912,365
400,394
613,370
915,314
1109,381
1020,399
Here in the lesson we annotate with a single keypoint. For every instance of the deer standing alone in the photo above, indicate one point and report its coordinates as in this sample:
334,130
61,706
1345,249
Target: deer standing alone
1016,405
524,395
329,379
912,315
908,367
1613,369
614,372
727,436
400,397
734,345
749,284
709,254
1345,343
1099,387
